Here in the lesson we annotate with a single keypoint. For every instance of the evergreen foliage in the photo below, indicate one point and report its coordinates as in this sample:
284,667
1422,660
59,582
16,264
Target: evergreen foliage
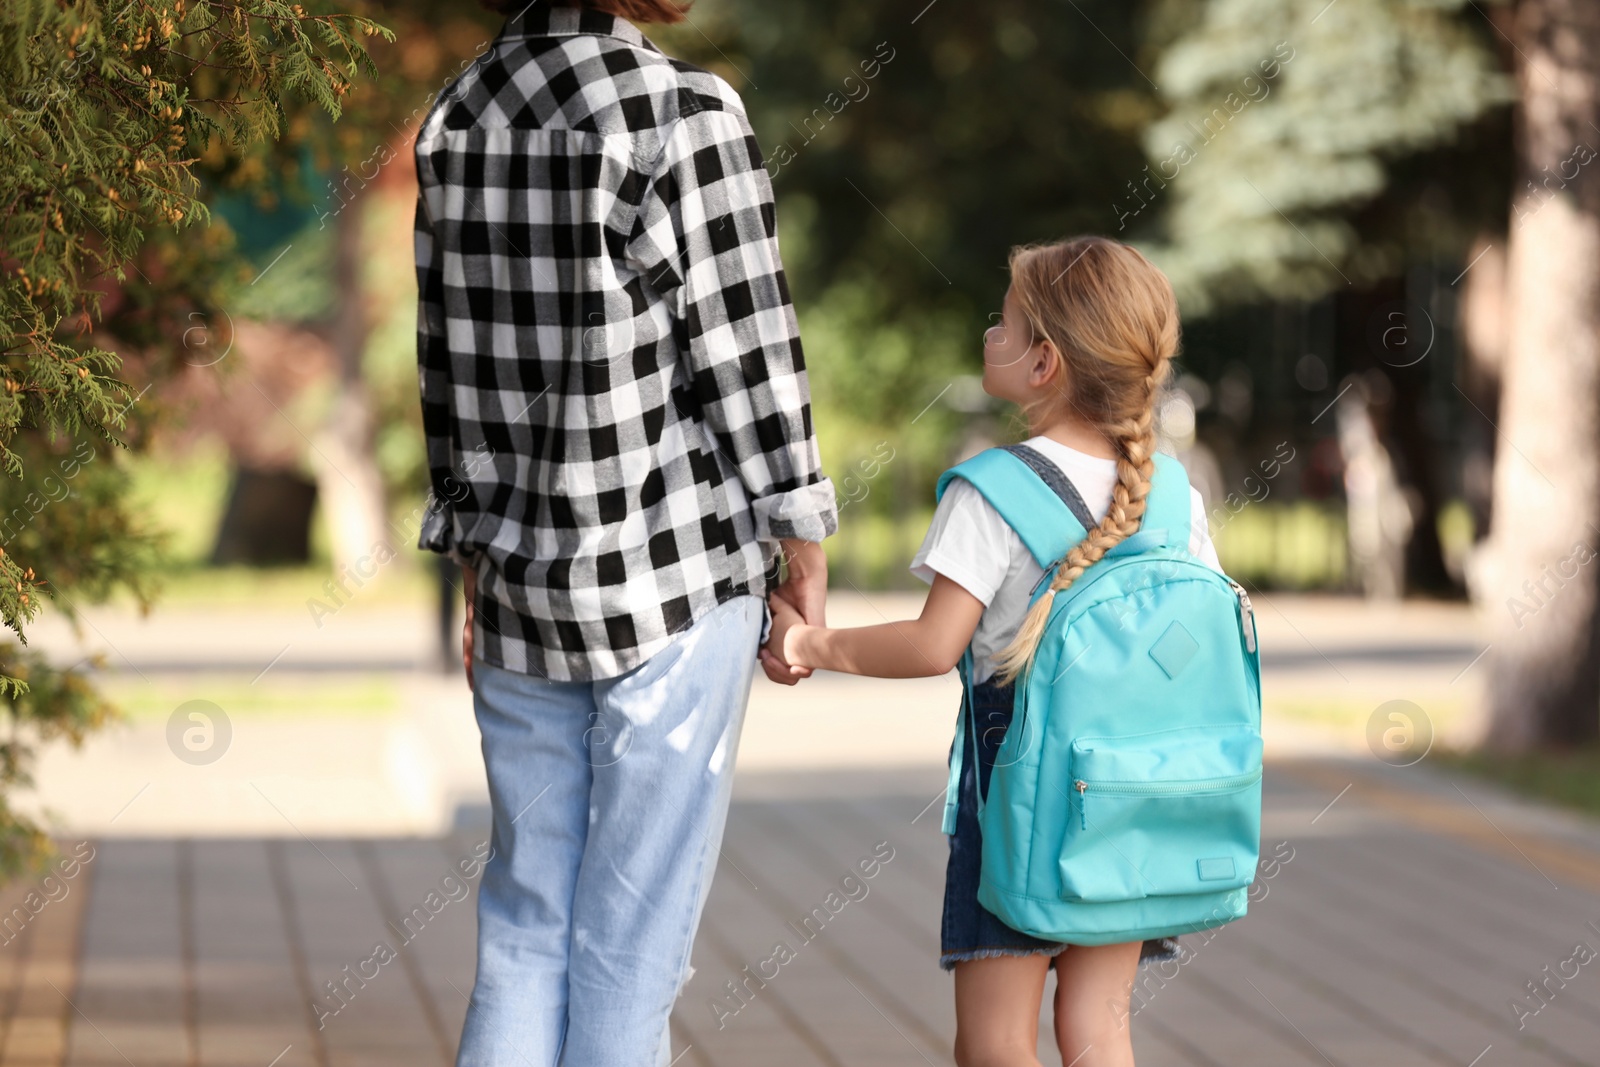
1288,122
109,115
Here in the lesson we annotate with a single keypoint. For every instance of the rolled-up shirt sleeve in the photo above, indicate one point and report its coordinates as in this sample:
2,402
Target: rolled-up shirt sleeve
706,238
444,521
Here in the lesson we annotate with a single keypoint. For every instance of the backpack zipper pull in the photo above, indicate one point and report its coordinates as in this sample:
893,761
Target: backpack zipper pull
1048,571
1083,814
1246,615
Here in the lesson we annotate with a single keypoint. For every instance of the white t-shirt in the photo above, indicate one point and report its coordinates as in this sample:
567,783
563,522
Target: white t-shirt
969,543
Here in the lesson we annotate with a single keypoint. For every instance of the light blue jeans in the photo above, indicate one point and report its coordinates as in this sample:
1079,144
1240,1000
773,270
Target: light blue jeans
608,802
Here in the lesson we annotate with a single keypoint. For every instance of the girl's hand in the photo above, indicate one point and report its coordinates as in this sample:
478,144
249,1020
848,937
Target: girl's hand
784,618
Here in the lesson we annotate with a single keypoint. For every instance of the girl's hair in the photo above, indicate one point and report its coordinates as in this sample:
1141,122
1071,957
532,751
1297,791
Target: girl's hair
633,10
1113,318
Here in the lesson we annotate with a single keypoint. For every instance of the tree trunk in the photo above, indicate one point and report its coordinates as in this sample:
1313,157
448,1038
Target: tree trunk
267,519
1544,660
348,484
1386,335
1481,323
1411,437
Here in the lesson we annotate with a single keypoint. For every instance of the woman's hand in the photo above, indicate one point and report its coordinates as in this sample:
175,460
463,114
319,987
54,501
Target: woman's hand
776,652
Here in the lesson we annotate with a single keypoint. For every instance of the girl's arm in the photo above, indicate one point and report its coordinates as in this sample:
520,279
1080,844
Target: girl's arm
928,645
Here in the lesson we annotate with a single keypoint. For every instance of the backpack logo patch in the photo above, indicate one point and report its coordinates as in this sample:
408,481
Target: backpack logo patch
1174,649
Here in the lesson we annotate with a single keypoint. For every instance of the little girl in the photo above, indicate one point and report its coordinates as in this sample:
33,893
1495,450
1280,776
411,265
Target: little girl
1084,344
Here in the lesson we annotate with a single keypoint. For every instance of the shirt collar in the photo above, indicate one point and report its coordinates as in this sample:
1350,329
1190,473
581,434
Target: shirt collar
541,19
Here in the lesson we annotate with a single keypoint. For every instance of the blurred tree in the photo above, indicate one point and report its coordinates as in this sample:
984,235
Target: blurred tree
1544,659
1334,149
314,209
107,115
910,146
1307,149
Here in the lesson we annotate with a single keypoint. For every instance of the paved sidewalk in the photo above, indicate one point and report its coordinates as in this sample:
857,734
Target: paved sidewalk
1399,926
1403,923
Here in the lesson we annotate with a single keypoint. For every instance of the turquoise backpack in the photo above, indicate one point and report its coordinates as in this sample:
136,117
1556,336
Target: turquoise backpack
1125,800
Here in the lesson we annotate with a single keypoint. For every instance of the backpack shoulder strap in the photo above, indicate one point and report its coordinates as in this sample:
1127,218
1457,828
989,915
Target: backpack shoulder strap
1167,507
1041,504
1033,507
1056,480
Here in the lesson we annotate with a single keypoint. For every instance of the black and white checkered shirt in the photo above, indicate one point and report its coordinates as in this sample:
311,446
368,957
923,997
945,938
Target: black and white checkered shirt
614,397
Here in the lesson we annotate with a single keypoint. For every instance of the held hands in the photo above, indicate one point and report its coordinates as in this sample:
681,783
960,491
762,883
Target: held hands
774,660
800,598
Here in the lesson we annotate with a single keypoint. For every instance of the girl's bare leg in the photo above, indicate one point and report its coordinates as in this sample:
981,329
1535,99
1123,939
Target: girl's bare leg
997,1010
1093,983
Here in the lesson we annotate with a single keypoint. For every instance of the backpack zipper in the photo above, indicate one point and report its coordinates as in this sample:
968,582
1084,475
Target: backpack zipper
1246,609
1246,615
1188,785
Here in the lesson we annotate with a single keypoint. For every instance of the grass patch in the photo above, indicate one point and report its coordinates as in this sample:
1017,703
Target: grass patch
287,696
1569,777
1355,714
403,582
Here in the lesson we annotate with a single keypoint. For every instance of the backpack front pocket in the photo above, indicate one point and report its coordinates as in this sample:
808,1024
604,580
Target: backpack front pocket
1162,814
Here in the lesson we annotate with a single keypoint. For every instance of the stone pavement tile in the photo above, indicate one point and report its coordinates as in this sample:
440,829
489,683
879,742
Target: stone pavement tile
1480,899
252,1007
1450,999
368,1009
15,939
1463,952
896,938
890,942
851,996
450,963
13,955
823,1017
1379,1002
1300,1022
1204,1021
762,1025
431,907
848,722
41,922
1465,947
685,1053
132,999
